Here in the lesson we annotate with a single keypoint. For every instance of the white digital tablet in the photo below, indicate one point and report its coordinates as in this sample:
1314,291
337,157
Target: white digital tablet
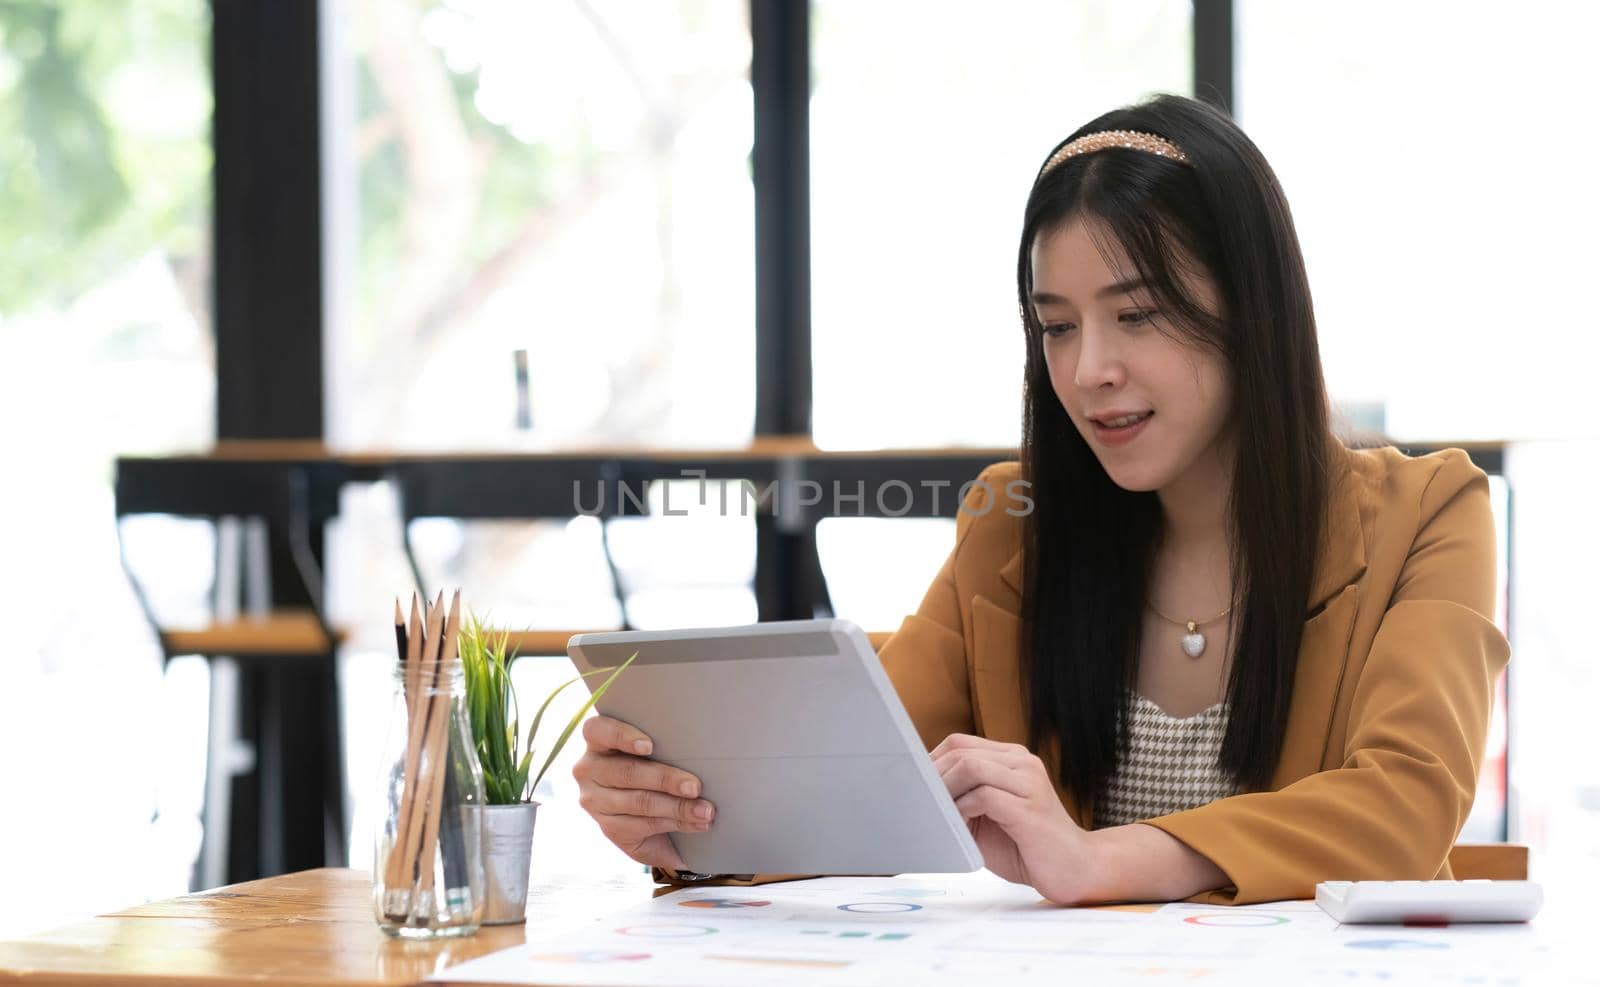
798,739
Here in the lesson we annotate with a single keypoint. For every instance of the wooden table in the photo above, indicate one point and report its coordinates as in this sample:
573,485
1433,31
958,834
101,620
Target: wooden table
314,927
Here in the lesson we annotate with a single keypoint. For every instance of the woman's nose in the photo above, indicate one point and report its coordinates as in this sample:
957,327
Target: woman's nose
1099,363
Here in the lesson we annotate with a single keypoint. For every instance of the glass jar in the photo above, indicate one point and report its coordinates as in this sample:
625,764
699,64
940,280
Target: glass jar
427,869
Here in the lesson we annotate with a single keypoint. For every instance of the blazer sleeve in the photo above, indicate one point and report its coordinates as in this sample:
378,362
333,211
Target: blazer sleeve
926,660
1419,717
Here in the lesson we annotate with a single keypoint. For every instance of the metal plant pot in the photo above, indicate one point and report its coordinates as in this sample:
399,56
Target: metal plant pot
507,859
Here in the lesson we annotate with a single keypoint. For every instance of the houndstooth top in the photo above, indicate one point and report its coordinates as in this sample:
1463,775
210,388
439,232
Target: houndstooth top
1170,765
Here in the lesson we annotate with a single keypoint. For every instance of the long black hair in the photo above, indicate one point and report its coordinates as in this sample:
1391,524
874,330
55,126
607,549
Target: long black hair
1092,544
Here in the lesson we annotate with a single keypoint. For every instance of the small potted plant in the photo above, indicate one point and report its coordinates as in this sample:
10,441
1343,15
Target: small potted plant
507,759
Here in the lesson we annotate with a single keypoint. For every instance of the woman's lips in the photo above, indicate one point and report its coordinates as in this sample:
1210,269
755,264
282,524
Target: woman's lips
1106,435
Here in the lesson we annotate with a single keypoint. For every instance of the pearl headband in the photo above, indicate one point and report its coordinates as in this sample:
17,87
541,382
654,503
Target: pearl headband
1100,140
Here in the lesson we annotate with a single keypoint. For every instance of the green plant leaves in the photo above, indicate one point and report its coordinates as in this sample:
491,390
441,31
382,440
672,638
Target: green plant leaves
491,707
495,715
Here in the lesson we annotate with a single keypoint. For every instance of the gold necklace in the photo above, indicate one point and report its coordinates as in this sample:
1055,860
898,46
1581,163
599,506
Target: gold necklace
1192,642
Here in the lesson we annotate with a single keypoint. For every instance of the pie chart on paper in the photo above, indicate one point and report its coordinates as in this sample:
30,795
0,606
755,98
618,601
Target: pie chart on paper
723,903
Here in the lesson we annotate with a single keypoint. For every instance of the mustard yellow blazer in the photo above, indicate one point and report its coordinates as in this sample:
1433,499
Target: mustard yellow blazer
1392,693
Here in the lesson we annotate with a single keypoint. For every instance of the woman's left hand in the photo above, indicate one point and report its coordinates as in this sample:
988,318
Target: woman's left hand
1013,812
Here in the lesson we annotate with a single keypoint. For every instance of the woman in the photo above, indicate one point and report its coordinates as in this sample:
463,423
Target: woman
1221,656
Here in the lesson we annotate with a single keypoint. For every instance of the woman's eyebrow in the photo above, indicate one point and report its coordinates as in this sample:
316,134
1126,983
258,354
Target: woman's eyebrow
1120,288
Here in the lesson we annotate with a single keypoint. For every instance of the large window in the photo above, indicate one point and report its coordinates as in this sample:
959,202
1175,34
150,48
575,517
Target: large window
563,188
105,348
567,181
1429,152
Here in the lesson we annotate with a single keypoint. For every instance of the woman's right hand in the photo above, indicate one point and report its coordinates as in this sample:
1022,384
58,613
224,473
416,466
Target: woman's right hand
635,800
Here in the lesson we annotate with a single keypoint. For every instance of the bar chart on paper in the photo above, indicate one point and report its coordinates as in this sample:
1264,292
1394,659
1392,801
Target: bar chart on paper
954,929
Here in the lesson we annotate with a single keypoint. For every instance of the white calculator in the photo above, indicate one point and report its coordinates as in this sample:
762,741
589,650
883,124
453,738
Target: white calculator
1430,902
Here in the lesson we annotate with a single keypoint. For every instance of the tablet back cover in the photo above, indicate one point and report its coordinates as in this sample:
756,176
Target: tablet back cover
803,747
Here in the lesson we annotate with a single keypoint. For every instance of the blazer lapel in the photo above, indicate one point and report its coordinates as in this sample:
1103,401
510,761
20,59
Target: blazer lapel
1344,550
1011,573
996,659
1325,639
997,689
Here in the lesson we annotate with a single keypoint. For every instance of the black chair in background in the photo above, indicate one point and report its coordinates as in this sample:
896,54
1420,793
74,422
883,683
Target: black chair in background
274,794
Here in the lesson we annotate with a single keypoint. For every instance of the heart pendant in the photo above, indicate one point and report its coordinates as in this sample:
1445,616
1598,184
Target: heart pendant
1194,644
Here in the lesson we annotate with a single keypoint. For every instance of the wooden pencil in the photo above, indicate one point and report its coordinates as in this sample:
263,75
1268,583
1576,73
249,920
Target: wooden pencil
399,872
438,749
429,709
